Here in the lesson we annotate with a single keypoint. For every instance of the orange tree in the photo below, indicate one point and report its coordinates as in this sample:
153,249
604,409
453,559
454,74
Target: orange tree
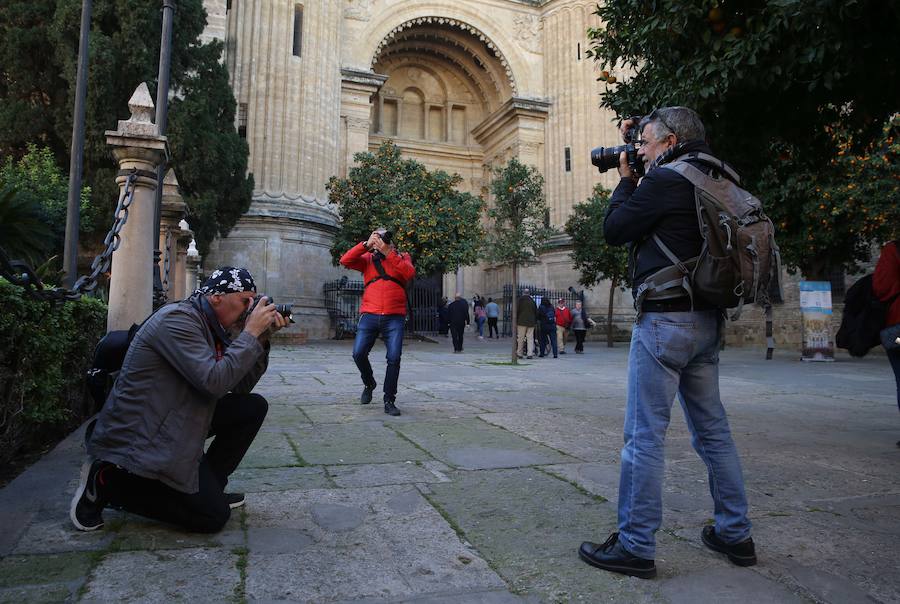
518,232
790,92
592,257
439,226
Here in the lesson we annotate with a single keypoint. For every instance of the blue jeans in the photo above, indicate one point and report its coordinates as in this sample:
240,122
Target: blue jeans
676,353
479,321
390,327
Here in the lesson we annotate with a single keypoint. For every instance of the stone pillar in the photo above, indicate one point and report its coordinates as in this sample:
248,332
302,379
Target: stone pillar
173,211
192,268
137,145
181,287
357,88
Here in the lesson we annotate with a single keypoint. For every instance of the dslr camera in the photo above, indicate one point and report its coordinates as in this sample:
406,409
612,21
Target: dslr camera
386,235
607,158
285,310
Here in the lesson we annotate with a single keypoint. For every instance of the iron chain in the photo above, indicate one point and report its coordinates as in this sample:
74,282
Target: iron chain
21,274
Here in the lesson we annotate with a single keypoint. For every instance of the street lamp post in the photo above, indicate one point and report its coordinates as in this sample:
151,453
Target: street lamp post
162,116
76,160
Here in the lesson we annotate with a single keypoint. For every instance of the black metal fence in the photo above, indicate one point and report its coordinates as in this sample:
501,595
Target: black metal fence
536,292
343,297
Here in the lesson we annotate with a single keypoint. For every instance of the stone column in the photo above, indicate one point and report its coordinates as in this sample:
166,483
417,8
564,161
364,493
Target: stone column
181,287
192,268
173,211
357,88
136,145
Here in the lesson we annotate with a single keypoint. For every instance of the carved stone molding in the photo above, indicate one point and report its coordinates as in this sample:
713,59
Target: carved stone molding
358,10
528,32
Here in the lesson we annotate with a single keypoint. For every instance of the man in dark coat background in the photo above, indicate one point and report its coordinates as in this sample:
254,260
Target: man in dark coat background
458,313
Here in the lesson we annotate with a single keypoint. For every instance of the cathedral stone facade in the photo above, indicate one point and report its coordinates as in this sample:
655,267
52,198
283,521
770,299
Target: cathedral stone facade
461,85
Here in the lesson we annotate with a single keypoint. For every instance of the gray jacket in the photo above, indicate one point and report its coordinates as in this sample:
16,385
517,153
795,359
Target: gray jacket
158,414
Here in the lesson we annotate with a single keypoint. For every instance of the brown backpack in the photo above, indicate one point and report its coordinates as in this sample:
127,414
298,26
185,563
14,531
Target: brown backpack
739,261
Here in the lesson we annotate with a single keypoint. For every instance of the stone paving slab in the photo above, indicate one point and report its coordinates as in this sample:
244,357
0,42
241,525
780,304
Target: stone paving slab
376,475
385,542
211,575
356,443
473,444
260,480
482,490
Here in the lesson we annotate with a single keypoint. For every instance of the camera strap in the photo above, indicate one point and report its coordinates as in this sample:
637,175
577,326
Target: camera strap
382,274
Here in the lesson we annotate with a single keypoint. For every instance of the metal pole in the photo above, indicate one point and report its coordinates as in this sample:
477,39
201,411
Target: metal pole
162,117
76,161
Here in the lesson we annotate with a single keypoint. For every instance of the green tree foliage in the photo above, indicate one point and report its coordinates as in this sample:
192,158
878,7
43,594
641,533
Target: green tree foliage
767,76
595,259
41,183
44,351
38,54
24,234
437,225
518,233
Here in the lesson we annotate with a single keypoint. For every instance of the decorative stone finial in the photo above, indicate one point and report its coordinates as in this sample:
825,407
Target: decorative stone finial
170,184
142,113
192,249
183,225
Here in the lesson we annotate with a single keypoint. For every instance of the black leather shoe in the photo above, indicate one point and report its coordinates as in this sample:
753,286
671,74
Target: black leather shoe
742,554
391,409
366,397
611,556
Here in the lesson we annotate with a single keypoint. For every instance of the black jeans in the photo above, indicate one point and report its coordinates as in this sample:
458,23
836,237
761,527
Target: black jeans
579,339
492,327
235,423
548,339
456,331
894,358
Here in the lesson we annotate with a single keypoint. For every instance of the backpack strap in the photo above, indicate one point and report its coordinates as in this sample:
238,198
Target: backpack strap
708,160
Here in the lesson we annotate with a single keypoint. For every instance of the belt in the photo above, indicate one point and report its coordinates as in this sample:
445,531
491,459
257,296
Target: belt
674,305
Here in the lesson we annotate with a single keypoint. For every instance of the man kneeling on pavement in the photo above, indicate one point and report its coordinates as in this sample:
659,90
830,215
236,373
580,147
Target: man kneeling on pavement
183,380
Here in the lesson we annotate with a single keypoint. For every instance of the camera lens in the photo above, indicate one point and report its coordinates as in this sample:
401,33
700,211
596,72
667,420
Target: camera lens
607,158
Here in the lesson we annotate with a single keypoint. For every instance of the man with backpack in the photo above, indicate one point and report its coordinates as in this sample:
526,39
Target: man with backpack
184,378
674,348
383,310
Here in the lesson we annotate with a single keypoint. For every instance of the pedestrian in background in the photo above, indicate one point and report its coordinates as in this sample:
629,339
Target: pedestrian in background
480,318
526,317
492,310
886,287
547,319
458,313
563,322
580,324
443,320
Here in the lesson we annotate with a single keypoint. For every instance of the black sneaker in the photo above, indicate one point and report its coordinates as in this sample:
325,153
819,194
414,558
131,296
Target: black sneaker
366,397
235,500
391,409
742,554
86,511
611,556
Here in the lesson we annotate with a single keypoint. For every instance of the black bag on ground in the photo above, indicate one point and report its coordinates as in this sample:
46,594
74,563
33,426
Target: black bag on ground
863,319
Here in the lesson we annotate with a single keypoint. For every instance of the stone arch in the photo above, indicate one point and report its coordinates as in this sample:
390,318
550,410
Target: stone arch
455,23
523,80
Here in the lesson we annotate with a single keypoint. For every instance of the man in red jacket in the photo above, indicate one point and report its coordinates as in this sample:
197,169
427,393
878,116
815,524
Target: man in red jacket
383,310
563,322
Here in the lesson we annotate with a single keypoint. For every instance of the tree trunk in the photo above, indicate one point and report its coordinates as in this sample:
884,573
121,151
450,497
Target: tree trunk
515,287
609,313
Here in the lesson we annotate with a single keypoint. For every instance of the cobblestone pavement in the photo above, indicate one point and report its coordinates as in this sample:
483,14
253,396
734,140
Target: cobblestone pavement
485,486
